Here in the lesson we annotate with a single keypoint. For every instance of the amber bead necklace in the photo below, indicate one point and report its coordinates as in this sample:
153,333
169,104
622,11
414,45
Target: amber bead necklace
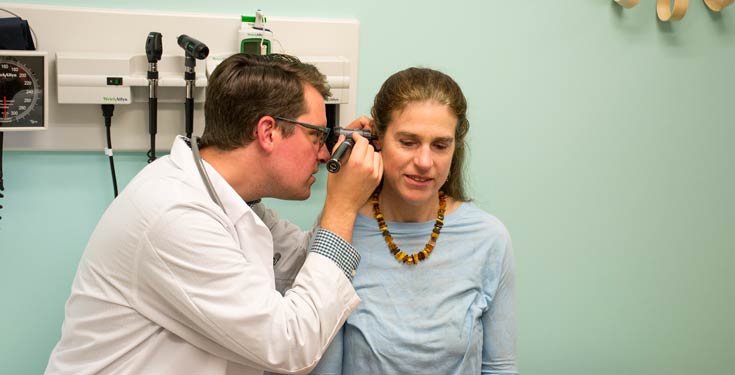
394,249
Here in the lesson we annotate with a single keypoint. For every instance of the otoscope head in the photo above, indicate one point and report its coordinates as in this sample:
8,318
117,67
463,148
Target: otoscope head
193,47
336,131
153,47
334,164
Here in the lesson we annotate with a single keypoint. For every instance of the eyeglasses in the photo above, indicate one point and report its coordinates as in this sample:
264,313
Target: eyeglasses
321,136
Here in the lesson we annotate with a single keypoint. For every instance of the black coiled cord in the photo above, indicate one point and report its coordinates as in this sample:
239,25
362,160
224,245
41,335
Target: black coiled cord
107,110
152,127
2,185
152,152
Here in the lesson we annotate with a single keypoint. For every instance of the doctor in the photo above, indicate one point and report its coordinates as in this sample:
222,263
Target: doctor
182,276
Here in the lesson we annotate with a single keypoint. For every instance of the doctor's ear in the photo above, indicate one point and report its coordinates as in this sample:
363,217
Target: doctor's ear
264,131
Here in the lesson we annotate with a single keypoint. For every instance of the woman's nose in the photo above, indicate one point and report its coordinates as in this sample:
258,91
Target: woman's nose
423,157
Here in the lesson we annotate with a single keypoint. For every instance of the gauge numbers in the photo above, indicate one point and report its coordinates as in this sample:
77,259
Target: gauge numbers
22,90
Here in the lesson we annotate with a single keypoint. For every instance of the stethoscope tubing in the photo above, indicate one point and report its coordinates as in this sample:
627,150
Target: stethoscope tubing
203,173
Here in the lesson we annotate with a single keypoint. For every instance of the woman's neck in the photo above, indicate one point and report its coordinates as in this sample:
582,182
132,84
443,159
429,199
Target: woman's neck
395,208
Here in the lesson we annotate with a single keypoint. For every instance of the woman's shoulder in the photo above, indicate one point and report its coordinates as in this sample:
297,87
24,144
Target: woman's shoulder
471,211
471,216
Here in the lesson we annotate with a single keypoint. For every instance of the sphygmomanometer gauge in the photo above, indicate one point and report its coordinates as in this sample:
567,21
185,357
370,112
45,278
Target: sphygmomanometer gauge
22,90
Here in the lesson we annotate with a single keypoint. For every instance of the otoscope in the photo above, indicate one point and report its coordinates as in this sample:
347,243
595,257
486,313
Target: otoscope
153,51
343,151
194,50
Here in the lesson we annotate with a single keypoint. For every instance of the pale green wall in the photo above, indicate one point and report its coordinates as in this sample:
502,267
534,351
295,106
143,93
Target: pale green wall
601,137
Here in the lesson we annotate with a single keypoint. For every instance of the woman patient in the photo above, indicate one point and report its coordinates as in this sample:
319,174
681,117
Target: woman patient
436,275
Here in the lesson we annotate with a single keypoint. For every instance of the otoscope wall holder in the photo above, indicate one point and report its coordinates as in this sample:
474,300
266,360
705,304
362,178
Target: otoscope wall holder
194,50
153,52
93,78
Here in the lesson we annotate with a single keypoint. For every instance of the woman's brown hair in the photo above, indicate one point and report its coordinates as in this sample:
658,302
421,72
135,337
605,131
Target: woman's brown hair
421,85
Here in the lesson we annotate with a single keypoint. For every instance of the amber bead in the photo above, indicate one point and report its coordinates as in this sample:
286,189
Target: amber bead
394,249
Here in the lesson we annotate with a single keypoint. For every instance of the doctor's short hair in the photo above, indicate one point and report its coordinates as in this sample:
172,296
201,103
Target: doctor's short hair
416,85
245,87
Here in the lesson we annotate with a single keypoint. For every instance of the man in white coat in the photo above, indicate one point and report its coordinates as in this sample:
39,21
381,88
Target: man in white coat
183,271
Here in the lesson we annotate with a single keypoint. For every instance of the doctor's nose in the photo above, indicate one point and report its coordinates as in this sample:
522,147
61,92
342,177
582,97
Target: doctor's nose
323,154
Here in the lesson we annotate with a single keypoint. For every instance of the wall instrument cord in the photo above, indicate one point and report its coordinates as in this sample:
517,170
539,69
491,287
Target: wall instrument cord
152,108
2,184
107,110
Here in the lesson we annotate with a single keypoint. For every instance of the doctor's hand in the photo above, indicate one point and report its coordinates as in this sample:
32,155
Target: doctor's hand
349,190
362,122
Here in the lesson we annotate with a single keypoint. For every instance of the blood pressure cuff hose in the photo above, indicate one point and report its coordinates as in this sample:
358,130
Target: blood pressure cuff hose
15,34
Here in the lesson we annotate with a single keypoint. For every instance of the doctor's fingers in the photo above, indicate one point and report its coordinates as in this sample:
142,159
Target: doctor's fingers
340,139
362,122
362,158
362,146
365,170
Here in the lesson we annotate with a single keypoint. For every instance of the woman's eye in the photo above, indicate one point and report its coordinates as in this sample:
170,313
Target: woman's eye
441,146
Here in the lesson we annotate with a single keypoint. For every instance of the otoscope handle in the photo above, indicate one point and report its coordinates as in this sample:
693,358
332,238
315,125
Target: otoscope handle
153,52
189,117
152,127
152,118
334,164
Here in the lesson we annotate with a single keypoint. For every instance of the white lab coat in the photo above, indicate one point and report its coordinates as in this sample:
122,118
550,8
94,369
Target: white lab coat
171,284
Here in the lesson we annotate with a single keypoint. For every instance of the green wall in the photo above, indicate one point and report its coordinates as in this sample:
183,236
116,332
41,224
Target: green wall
602,138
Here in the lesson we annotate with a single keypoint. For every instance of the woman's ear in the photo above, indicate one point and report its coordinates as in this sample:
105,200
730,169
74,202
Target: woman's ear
378,144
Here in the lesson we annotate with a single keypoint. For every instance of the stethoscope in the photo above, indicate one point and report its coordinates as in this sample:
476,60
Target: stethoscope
203,173
208,183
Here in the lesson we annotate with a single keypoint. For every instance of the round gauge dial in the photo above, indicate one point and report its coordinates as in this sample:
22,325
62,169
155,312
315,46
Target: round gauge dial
21,92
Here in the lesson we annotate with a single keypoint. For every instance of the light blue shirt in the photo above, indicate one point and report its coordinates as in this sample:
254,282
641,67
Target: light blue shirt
453,313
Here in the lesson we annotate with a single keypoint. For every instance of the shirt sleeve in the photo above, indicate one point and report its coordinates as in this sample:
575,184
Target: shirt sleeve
192,278
331,362
290,245
499,322
337,250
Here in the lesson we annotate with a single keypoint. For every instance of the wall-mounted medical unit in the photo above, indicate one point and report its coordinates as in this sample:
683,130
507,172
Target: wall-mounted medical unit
93,78
97,56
